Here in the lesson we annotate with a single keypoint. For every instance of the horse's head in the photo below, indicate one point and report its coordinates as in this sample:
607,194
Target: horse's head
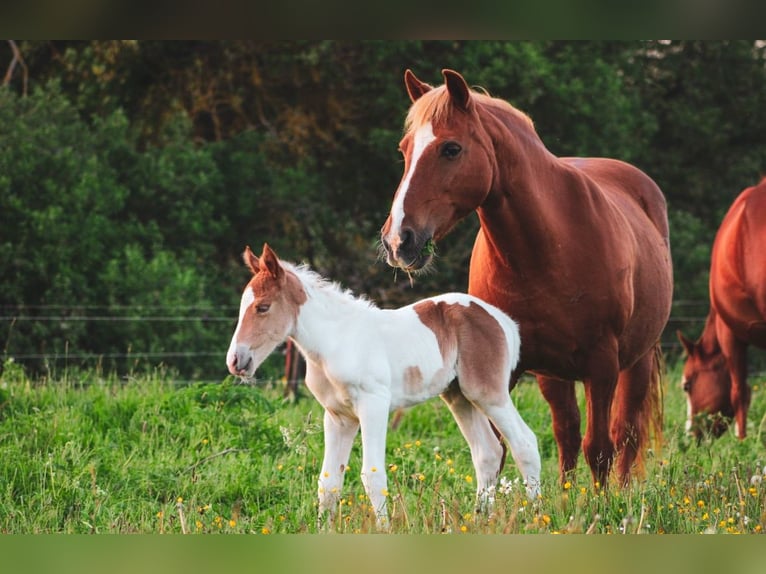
267,312
448,169
707,383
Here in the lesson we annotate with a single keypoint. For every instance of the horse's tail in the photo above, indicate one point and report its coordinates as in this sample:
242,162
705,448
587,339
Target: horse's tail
652,409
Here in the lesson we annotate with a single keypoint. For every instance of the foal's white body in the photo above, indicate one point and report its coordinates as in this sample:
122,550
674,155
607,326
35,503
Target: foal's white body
363,362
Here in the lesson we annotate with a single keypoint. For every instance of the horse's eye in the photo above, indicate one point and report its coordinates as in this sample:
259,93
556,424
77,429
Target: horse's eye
450,150
686,385
262,308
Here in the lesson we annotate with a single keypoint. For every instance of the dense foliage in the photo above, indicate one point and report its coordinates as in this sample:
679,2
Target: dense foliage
132,174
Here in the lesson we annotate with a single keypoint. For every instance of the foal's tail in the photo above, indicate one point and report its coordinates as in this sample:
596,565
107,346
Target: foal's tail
652,409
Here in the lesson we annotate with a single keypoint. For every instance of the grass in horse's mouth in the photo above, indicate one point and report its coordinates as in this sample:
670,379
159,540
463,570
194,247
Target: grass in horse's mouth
429,248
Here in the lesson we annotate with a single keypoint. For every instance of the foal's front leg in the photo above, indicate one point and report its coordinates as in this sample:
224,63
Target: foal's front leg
339,436
373,411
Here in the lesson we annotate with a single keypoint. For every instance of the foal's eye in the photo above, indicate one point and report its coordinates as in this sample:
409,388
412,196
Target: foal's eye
450,150
686,385
262,307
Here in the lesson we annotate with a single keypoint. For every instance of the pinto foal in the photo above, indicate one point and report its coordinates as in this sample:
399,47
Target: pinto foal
363,362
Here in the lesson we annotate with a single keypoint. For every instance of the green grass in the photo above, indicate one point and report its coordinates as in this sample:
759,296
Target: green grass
86,453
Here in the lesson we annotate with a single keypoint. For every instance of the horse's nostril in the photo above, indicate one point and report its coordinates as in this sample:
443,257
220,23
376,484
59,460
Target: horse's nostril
407,238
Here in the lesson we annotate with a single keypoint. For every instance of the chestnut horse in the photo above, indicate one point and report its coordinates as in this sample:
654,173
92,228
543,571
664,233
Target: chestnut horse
715,372
577,248
363,362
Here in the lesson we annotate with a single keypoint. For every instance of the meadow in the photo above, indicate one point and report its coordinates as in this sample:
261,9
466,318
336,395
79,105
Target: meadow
89,452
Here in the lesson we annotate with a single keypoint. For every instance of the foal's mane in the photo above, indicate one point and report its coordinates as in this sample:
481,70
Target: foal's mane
434,105
313,282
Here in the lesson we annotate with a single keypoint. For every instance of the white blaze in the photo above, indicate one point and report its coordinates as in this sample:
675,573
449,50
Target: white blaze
423,137
248,297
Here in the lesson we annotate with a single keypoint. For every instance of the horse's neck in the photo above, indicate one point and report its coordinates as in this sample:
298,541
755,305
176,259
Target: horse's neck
709,338
534,192
323,320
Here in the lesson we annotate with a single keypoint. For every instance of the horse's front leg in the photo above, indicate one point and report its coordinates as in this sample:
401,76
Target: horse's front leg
339,436
372,411
735,352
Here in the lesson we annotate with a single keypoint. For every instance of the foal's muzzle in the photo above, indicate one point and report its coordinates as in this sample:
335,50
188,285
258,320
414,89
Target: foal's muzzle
240,362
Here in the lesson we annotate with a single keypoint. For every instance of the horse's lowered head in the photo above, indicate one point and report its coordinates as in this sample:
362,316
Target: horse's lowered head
449,166
707,384
268,312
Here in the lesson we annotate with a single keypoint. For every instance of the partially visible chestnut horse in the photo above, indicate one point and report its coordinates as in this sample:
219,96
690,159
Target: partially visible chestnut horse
715,373
576,248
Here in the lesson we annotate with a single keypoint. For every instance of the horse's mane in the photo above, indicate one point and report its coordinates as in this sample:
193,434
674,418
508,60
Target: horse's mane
435,105
313,281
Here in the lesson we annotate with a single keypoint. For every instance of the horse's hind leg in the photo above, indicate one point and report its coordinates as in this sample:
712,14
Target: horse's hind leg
487,452
597,444
521,440
636,407
565,413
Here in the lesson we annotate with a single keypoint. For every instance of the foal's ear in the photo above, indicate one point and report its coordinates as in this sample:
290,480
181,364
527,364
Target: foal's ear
251,260
270,262
415,88
457,88
688,344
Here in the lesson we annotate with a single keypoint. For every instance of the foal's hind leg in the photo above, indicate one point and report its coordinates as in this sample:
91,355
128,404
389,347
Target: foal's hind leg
487,452
522,441
565,413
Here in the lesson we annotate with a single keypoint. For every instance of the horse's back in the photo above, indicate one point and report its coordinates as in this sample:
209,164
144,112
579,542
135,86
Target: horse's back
738,266
640,206
479,329
616,177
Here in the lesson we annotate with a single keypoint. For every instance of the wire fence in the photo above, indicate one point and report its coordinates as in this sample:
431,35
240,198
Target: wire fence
688,316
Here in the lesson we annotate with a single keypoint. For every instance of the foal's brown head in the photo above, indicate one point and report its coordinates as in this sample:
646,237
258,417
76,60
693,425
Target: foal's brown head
707,383
449,166
267,314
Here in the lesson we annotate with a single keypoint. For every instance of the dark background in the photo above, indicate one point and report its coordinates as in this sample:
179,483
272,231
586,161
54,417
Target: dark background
133,173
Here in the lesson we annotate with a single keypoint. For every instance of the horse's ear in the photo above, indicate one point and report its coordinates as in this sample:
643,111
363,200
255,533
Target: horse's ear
270,262
415,88
251,260
457,88
688,344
